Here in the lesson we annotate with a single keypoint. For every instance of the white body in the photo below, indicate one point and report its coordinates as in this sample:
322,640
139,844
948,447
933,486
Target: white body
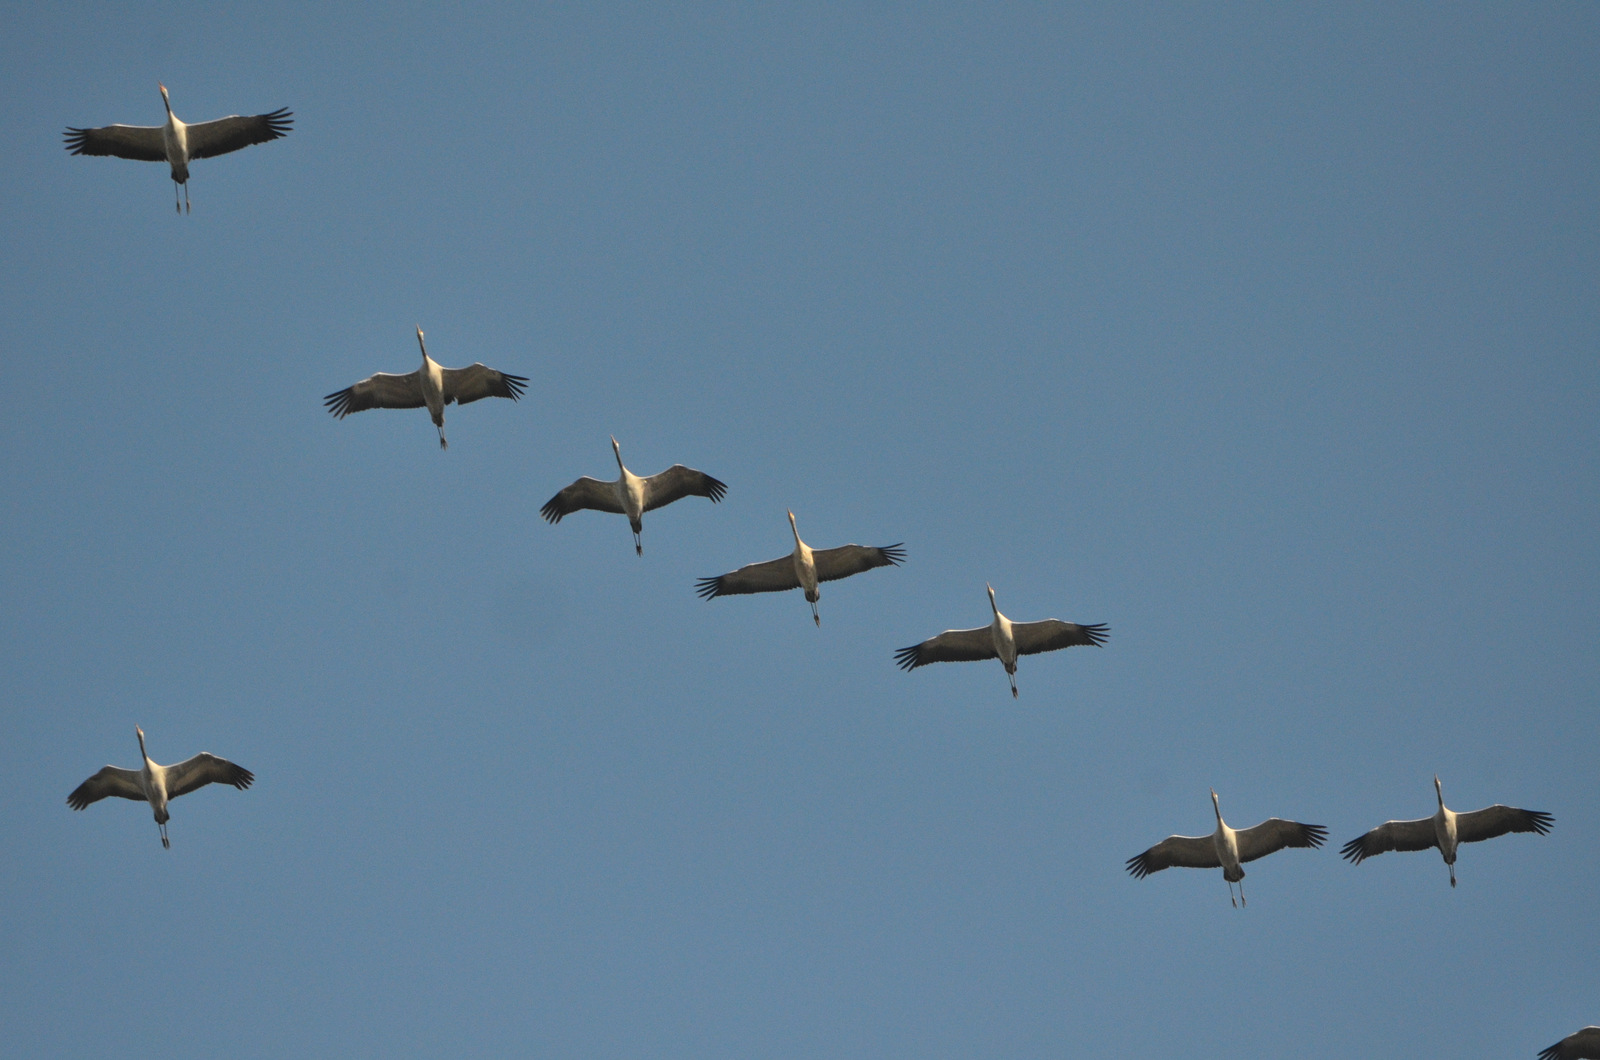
1005,641
805,571
1444,830
175,138
1226,841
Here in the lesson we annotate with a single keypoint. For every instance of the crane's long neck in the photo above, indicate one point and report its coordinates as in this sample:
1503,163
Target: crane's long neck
142,752
1216,808
992,605
617,450
165,102
1438,789
423,346
796,530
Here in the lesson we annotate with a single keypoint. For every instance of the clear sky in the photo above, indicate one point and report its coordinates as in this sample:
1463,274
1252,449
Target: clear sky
1267,334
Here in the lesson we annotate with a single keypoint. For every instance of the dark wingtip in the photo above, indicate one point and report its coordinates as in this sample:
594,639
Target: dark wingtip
1097,633
894,553
1137,868
338,403
906,658
551,513
516,384
244,779
1552,1053
716,489
706,588
1541,821
1354,851
1315,834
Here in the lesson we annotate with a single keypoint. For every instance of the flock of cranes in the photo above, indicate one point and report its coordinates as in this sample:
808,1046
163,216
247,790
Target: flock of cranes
433,386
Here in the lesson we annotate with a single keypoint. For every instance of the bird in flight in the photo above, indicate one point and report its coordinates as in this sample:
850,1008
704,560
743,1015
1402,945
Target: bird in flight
430,385
1447,830
1226,848
632,495
177,143
1001,639
158,785
801,569
1580,1045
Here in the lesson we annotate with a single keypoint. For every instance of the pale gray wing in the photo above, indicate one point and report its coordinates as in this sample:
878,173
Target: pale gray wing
142,143
123,783
953,645
205,769
1051,634
1181,851
211,138
381,391
1583,1045
1497,820
585,493
835,563
1274,834
1391,835
677,482
773,576
466,385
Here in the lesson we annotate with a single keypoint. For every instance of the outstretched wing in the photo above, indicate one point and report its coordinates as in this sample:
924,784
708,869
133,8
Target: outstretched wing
953,645
142,143
835,563
1391,835
1180,851
1274,834
1583,1045
773,576
1497,820
677,482
123,783
1051,634
585,493
205,769
208,139
466,385
381,391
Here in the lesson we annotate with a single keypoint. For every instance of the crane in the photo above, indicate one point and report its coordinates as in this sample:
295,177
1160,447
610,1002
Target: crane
1447,830
158,784
632,495
801,569
431,385
177,143
1001,639
1226,848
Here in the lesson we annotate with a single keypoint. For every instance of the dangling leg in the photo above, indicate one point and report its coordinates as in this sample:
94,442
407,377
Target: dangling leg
1011,674
638,545
175,205
166,843
1241,892
1452,874
185,196
1230,893
814,616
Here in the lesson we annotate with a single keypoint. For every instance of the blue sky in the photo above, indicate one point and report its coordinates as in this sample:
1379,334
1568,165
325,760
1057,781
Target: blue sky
1266,335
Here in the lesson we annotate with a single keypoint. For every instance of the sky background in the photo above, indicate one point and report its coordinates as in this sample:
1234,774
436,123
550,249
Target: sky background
1268,335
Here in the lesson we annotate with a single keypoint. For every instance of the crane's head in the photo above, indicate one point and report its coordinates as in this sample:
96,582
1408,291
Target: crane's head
992,605
420,343
1215,805
1438,789
164,100
139,733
